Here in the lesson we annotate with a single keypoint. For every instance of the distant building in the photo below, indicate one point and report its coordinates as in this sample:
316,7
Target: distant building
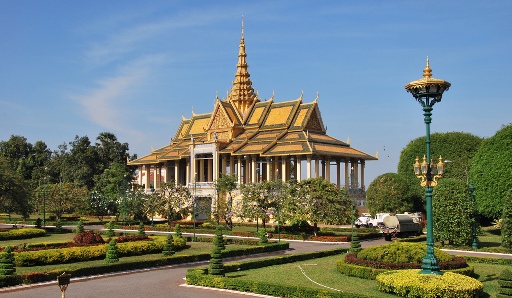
255,139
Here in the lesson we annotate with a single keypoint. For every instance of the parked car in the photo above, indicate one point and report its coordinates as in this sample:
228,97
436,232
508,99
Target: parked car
363,220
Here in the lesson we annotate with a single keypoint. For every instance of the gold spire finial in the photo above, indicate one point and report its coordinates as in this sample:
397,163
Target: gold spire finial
242,26
242,94
427,72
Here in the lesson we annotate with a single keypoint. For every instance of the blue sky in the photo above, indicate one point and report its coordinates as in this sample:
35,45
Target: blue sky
135,67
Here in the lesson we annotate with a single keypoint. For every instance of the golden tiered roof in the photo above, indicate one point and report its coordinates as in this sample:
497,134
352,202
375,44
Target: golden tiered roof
244,125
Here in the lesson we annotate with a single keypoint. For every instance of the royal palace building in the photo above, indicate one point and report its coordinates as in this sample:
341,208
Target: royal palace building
256,140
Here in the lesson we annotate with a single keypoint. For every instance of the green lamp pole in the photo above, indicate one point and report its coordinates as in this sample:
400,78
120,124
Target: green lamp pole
474,245
428,91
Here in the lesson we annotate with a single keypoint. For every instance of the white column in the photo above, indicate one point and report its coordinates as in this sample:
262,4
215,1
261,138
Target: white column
298,167
317,167
308,167
147,178
362,174
139,179
176,171
201,170
338,174
239,170
210,169
347,186
253,169
284,159
189,172
269,169
328,169
156,176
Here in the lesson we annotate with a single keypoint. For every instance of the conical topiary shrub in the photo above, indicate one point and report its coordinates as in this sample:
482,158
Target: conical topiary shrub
263,236
177,231
112,254
216,265
141,230
168,249
218,240
7,267
505,282
80,227
110,229
355,244
58,227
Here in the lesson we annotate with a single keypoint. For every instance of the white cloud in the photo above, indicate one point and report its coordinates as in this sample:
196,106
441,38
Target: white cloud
103,105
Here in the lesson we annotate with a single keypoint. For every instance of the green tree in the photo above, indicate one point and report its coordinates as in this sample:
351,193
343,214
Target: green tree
506,228
135,204
17,151
61,197
14,192
175,201
225,186
318,200
389,193
256,202
453,212
490,173
81,163
458,147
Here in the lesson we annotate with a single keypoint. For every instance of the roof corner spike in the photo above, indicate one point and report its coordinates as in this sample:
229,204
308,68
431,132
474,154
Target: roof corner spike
377,155
317,95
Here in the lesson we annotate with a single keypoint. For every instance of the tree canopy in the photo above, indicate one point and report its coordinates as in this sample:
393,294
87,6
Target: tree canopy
453,212
491,172
390,193
457,147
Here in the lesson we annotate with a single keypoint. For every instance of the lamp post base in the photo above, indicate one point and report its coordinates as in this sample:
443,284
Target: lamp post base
430,265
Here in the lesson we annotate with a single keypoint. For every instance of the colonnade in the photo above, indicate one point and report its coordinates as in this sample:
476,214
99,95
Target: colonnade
206,167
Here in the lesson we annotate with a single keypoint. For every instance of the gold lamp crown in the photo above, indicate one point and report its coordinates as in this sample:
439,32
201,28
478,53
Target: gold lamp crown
428,86
436,170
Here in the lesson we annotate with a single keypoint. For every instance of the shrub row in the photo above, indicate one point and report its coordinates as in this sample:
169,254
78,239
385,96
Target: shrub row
499,261
409,283
25,233
85,253
371,273
175,259
455,263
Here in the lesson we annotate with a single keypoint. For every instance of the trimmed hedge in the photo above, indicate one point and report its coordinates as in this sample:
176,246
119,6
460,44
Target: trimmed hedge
371,273
409,283
24,233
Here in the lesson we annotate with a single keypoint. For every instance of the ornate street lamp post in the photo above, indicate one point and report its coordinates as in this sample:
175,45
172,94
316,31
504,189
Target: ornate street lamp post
428,91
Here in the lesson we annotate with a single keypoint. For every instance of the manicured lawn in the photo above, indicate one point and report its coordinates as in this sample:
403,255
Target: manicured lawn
321,273
312,274
46,239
